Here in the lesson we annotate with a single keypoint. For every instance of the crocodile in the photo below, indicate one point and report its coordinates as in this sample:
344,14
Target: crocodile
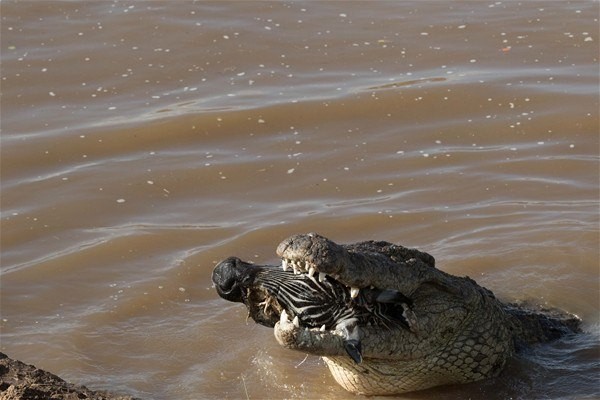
383,317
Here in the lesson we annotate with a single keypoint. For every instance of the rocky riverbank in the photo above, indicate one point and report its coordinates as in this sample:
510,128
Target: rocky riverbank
20,381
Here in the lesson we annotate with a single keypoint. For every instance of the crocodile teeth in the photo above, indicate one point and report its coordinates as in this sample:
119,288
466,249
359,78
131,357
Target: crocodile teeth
296,322
354,292
322,276
322,328
311,271
284,264
283,318
302,266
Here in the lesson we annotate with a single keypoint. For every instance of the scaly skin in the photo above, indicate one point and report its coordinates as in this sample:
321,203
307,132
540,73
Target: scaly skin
458,331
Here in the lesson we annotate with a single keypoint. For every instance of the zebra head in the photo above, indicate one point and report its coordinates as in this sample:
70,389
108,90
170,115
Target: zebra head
273,294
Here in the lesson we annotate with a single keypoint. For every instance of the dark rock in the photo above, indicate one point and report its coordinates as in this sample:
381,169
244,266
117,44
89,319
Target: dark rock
20,381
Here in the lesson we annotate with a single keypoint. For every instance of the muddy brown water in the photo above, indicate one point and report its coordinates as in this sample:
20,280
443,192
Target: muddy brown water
142,142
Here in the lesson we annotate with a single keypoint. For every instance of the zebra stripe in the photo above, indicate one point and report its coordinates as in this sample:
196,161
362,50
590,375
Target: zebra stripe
326,303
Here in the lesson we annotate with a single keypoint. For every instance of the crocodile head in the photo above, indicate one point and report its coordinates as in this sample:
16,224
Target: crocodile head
383,317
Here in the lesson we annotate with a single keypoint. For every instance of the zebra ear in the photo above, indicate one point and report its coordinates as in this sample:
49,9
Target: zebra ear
354,349
411,320
351,338
392,296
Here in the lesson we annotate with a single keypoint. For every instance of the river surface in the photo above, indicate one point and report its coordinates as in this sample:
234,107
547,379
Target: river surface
143,142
